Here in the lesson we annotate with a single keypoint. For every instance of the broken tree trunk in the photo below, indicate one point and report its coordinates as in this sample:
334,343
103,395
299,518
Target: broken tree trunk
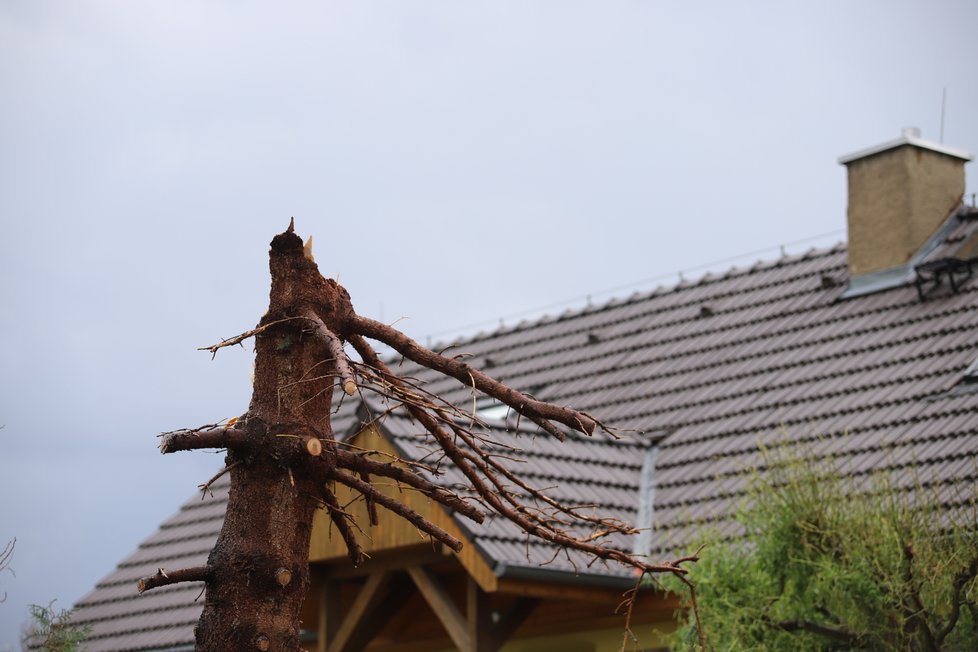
283,459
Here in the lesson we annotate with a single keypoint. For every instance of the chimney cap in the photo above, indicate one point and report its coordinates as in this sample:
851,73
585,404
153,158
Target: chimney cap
910,136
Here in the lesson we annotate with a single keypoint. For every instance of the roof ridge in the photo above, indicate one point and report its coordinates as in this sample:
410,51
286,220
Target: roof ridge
754,338
664,325
706,278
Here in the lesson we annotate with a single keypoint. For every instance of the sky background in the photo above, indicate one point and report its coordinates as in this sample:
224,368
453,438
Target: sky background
457,163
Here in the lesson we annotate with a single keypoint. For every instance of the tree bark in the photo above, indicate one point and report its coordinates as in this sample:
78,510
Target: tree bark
259,566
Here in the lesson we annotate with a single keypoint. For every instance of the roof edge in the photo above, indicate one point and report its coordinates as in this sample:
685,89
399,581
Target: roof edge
542,574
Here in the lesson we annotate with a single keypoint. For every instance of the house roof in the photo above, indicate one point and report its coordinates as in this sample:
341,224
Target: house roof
697,376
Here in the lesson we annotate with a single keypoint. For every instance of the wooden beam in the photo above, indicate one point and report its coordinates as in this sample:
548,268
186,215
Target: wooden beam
511,620
365,602
479,620
423,554
329,614
446,611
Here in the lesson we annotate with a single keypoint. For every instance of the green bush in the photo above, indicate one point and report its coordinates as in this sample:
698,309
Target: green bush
835,562
53,631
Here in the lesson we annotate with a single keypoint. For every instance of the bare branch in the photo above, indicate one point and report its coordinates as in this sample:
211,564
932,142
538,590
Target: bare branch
398,508
957,599
913,608
238,339
361,463
523,404
335,344
5,555
833,633
165,578
205,488
371,505
185,440
339,518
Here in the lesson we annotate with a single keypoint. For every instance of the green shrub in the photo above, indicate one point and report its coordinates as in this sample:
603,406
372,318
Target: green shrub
53,631
835,562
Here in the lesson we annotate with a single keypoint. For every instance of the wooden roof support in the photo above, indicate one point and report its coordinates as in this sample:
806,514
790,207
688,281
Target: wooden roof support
475,632
446,611
511,619
375,604
479,618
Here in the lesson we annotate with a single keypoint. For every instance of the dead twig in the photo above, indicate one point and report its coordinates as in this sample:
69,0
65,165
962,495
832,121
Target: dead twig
205,488
238,339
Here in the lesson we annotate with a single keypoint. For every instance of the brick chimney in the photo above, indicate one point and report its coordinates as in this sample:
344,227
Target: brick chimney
900,192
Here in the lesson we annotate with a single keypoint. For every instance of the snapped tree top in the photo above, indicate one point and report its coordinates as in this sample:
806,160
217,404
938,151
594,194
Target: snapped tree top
284,461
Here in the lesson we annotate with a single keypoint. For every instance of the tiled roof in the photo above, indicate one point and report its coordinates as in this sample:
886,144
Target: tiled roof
706,371
580,471
161,619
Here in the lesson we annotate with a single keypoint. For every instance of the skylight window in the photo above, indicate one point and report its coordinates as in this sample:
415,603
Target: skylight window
494,411
490,409
970,375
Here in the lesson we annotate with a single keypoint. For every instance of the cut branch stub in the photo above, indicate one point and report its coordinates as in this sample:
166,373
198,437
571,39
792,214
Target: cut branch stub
314,446
283,576
165,578
185,440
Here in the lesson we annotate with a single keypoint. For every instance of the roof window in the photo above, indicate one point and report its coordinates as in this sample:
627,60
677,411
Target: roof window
492,410
970,376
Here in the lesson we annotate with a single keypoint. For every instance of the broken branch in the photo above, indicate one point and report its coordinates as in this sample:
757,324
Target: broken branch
338,516
361,463
238,339
185,440
398,508
335,344
523,404
165,578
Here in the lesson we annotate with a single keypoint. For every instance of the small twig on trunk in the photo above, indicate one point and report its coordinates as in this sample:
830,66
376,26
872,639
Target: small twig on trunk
165,578
205,488
238,339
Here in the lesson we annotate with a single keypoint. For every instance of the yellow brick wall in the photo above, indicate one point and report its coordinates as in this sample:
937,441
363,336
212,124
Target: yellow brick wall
897,199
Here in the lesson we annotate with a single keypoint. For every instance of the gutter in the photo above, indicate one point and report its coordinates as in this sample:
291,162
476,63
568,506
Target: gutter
505,571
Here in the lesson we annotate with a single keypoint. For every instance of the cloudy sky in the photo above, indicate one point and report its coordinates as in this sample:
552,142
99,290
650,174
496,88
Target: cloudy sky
457,162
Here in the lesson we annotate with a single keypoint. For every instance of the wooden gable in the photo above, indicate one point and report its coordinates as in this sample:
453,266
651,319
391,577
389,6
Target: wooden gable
413,595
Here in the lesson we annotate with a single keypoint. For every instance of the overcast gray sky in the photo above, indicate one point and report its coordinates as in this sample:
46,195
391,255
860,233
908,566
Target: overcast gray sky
457,162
